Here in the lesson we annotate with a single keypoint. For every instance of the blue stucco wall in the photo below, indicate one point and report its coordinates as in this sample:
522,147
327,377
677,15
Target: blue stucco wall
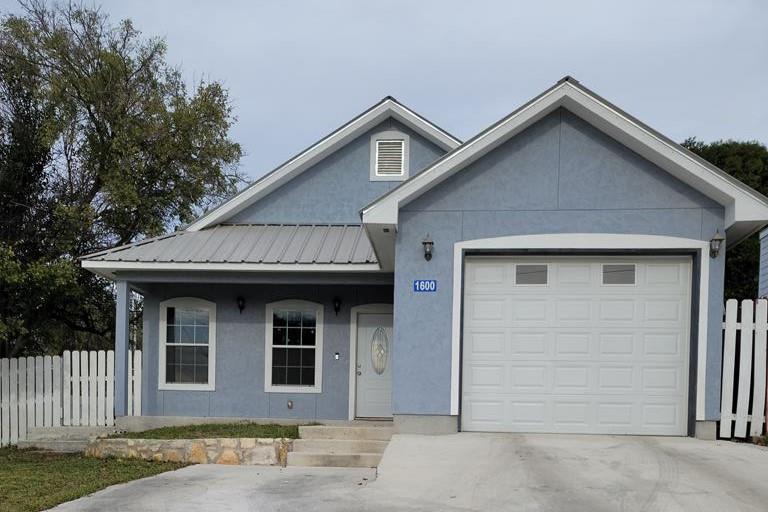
336,188
240,352
559,176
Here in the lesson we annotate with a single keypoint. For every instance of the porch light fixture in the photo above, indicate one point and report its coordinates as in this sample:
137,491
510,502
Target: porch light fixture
428,246
241,304
715,244
336,305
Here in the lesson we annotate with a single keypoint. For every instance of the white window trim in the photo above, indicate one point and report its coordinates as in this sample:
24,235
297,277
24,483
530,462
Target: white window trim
319,325
188,302
589,241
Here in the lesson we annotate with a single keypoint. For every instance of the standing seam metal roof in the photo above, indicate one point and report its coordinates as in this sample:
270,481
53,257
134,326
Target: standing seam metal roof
251,243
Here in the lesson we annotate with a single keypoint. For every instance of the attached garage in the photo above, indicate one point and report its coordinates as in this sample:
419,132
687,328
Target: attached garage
576,344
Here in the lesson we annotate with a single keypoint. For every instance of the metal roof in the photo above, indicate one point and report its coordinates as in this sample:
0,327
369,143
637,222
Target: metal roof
251,243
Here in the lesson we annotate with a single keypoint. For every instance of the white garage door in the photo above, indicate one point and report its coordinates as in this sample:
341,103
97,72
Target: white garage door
576,344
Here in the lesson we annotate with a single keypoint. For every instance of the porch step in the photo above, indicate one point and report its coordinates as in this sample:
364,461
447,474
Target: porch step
68,433
60,446
334,460
346,433
339,446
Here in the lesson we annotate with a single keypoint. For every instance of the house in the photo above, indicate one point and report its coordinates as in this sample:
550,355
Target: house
561,271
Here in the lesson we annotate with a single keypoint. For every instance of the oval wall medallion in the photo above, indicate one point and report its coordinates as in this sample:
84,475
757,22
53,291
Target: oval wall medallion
379,350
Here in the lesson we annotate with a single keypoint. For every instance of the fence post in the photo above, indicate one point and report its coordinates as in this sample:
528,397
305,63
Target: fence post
14,401
66,372
5,423
22,398
729,361
110,388
758,396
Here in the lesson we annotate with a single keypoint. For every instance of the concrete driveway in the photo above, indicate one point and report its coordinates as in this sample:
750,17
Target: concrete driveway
476,472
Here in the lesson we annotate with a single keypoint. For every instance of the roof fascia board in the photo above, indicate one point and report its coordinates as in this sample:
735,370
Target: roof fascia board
315,153
741,202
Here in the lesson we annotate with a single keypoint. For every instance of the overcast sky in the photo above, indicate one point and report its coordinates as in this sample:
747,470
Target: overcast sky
297,70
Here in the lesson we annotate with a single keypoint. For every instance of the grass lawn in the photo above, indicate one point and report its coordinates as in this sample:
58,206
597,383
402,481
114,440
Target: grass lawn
33,480
216,430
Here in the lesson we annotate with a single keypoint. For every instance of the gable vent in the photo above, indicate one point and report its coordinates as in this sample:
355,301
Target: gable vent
390,157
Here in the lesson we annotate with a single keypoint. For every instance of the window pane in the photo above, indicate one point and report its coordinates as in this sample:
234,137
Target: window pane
278,336
308,319
308,337
185,317
201,317
294,357
170,334
201,374
294,319
187,334
279,356
278,376
293,376
531,274
279,319
170,315
294,336
308,357
619,274
308,376
201,334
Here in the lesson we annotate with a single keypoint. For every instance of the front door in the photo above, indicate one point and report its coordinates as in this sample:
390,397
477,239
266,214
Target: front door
374,368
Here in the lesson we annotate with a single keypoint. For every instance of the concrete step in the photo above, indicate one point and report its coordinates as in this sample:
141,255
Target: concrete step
65,446
334,460
336,446
68,433
346,433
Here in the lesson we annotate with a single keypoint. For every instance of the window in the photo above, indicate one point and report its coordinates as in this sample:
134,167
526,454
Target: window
294,347
619,274
389,156
530,274
187,344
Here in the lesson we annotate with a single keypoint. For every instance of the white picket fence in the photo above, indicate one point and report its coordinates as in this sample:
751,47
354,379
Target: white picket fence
744,382
74,389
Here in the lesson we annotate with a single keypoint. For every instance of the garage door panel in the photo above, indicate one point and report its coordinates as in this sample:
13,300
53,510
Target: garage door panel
576,355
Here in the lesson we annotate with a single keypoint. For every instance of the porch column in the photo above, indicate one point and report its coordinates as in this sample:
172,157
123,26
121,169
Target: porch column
122,312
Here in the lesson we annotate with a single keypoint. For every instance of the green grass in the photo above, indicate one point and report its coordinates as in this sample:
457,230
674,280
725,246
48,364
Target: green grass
34,480
216,430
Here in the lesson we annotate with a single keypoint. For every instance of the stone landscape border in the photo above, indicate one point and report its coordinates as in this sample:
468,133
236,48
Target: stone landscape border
234,451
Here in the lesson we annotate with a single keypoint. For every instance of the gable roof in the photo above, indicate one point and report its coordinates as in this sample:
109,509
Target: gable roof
386,108
245,247
746,210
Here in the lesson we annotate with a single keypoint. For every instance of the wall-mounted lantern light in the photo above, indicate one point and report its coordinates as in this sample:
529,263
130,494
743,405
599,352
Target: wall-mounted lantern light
336,305
428,246
241,304
715,244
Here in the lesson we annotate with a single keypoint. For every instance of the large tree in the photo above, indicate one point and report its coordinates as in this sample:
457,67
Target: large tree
101,143
747,162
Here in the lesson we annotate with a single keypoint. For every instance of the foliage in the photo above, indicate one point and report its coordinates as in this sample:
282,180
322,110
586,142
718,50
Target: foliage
747,162
101,144
35,480
215,430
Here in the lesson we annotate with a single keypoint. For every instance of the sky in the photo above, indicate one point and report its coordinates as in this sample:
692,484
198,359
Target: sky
296,70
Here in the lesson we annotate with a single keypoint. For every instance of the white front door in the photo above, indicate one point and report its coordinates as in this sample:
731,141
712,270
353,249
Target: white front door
374,368
576,344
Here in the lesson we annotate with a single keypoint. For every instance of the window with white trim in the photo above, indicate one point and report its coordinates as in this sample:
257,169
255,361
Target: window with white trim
187,344
294,347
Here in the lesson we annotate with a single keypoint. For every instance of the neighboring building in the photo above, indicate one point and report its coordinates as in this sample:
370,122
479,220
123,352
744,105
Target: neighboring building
552,274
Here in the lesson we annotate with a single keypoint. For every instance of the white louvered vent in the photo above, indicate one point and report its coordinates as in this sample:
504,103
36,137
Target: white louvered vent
390,157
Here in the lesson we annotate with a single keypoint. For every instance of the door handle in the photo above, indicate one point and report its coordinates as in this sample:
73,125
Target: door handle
359,372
